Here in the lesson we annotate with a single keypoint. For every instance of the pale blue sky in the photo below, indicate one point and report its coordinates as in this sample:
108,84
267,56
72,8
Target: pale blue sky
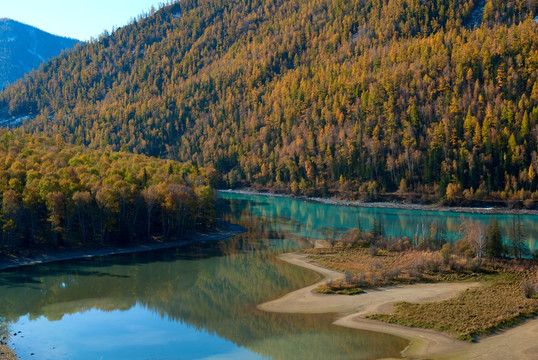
79,19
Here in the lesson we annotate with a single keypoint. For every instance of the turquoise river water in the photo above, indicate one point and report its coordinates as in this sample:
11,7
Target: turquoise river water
199,302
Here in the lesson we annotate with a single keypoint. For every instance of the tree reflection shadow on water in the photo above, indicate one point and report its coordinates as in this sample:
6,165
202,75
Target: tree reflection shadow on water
212,286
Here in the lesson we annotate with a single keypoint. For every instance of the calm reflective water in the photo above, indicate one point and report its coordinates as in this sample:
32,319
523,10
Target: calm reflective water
199,302
196,302
316,220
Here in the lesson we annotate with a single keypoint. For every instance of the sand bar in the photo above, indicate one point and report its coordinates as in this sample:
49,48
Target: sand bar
519,342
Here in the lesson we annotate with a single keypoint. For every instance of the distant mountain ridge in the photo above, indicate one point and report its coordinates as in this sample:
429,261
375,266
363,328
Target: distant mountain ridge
23,48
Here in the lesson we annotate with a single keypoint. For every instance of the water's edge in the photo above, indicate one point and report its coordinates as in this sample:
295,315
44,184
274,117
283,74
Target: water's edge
224,232
391,205
418,343
422,342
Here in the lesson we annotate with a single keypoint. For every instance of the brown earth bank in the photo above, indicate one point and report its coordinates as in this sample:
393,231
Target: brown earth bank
513,343
6,353
407,202
25,257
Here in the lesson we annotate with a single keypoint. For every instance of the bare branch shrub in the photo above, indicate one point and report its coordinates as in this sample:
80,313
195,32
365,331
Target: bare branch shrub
349,277
474,233
530,290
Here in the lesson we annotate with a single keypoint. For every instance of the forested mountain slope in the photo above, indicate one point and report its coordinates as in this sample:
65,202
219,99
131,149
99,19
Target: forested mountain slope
24,48
310,95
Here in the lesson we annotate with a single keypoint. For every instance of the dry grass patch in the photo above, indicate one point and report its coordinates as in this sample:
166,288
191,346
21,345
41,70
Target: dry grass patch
499,303
339,287
509,293
390,267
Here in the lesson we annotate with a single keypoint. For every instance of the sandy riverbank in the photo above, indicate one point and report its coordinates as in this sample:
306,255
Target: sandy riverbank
6,353
514,343
47,256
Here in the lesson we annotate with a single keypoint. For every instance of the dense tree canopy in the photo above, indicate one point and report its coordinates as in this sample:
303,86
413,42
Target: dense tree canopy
434,97
59,194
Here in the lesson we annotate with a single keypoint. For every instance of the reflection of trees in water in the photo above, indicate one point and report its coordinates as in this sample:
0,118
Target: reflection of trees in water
214,293
262,236
311,219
